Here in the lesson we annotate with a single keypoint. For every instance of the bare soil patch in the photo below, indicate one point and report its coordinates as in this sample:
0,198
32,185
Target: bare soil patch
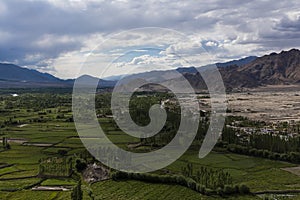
272,103
51,188
293,170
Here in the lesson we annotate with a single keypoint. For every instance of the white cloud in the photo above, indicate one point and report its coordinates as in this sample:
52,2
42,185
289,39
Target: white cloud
48,40
211,44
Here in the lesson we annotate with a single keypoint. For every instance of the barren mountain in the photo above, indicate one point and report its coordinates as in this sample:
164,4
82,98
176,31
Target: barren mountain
274,69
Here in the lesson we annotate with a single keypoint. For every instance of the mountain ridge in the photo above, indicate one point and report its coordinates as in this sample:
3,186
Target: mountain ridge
273,69
14,76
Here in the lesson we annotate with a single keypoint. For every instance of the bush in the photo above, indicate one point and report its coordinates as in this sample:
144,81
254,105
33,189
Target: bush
180,180
200,188
191,184
209,192
243,189
252,151
220,191
266,153
237,189
62,152
230,189
80,165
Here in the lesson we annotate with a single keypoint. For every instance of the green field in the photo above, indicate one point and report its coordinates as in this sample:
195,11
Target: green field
36,195
140,190
19,165
260,174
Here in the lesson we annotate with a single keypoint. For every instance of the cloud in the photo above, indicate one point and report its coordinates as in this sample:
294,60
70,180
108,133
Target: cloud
211,44
56,36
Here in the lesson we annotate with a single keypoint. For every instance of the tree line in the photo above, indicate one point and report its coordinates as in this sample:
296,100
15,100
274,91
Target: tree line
181,180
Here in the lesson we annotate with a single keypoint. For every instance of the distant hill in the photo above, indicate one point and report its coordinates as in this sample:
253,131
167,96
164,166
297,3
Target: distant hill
87,80
169,73
13,76
172,75
15,73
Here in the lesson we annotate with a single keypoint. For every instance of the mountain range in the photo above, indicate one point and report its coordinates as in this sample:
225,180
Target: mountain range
13,76
274,69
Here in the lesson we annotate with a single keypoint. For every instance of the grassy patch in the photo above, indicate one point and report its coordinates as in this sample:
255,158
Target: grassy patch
124,190
58,182
36,195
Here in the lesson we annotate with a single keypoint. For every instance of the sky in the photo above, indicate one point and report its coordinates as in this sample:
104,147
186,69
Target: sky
72,37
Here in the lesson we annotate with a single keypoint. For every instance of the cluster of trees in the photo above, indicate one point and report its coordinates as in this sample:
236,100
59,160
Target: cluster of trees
267,145
293,157
102,104
12,117
38,101
55,166
229,135
139,107
10,121
210,178
181,180
275,143
170,129
289,127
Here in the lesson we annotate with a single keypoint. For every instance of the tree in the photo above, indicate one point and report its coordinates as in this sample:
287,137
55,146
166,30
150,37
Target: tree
77,192
244,189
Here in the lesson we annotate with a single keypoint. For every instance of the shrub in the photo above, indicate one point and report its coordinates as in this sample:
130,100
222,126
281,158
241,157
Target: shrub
200,188
266,153
236,189
243,189
180,180
62,152
80,165
229,189
191,184
209,192
220,191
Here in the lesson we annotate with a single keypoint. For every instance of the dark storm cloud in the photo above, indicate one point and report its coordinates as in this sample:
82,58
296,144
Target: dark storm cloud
26,23
289,25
